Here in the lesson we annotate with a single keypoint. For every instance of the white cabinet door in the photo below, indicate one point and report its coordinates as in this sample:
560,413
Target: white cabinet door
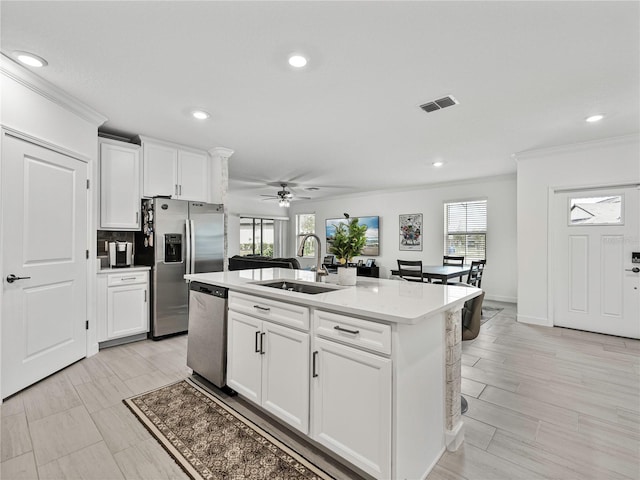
193,176
285,374
352,405
119,186
243,355
127,310
159,170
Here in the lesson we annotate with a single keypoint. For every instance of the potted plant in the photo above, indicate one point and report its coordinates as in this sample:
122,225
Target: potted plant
349,241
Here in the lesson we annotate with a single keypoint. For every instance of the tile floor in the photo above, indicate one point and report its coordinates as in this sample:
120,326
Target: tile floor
543,403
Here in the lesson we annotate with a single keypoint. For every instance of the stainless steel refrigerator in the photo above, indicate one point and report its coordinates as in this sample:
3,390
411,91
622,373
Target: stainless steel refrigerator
177,237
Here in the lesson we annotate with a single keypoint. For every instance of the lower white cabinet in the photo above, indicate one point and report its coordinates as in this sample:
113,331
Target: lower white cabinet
268,364
123,304
352,405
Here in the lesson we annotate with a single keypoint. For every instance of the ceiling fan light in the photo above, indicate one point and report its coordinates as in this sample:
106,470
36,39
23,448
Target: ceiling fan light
284,202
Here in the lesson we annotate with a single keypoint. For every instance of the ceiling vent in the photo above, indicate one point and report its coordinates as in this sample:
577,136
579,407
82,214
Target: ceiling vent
439,104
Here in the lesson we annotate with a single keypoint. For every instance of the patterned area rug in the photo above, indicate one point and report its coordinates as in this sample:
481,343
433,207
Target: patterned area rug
488,313
209,440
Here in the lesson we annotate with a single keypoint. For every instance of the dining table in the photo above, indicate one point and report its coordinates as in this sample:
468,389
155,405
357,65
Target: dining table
443,273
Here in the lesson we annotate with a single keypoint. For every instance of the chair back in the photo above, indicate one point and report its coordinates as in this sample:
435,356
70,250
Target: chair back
452,260
471,316
475,273
410,270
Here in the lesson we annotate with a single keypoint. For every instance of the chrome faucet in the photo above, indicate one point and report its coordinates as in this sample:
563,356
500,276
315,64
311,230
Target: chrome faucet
320,270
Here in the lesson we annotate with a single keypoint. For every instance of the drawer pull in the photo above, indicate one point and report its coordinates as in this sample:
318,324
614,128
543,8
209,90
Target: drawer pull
266,309
313,367
354,332
125,279
257,347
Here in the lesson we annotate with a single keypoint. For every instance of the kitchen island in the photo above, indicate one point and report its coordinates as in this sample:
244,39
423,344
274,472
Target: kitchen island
371,372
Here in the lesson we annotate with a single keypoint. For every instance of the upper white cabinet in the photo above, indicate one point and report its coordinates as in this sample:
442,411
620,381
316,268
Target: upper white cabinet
119,185
176,171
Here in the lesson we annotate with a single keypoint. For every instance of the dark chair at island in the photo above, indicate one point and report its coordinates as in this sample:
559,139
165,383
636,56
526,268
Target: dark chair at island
410,270
471,316
240,262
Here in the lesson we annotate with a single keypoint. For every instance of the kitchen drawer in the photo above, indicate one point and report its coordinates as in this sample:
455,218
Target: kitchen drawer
283,313
358,332
126,278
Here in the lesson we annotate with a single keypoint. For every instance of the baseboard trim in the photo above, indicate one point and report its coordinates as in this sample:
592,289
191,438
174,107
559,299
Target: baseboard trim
500,298
544,322
454,438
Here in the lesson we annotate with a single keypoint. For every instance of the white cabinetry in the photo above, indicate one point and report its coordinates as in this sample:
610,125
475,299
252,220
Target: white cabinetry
123,304
352,391
119,185
176,171
268,362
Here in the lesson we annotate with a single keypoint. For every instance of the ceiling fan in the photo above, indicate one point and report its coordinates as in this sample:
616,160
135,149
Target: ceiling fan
284,196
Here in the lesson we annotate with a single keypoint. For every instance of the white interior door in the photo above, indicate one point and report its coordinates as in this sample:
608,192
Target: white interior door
44,235
595,287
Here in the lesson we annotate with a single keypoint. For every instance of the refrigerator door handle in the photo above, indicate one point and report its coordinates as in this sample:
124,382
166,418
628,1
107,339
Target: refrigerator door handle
187,226
192,238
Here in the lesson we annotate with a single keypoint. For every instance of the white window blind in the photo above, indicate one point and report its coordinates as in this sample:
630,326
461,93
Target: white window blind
465,229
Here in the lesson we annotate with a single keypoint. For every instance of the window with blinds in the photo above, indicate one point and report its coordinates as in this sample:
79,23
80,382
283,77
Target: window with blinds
465,229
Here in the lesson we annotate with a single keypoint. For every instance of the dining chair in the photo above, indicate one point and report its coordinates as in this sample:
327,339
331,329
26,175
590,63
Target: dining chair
453,260
475,273
410,270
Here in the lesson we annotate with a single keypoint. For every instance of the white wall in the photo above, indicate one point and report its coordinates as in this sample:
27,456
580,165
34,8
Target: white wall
499,280
607,162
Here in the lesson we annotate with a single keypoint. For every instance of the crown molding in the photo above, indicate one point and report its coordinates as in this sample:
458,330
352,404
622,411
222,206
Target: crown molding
221,152
26,78
575,147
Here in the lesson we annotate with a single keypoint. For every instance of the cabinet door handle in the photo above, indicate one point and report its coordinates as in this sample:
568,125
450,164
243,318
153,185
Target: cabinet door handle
313,364
176,189
136,217
354,332
262,344
257,347
265,309
145,296
180,189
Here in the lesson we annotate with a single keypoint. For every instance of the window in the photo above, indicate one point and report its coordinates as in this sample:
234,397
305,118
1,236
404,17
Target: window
256,236
465,229
596,210
306,223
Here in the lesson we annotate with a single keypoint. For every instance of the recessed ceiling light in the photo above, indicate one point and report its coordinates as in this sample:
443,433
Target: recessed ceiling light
200,114
437,164
297,61
30,59
594,118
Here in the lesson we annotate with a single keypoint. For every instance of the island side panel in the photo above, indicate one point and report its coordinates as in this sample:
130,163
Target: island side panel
419,397
454,431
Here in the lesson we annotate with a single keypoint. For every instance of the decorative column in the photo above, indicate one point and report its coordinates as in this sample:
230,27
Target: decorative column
220,185
454,428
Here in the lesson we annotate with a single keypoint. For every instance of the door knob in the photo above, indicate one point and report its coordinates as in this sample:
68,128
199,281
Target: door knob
12,278
634,269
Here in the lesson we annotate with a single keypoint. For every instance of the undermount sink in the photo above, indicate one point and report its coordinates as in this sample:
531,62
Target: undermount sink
292,286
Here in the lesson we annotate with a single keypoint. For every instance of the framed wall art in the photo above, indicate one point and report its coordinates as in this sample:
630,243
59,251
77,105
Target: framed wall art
411,232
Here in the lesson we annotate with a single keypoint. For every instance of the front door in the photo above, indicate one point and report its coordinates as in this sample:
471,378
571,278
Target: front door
44,240
596,287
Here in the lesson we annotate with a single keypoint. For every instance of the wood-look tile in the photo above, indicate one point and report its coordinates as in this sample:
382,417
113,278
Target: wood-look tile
15,438
90,463
148,460
441,473
590,450
171,361
103,393
12,405
472,388
22,467
477,433
474,463
469,360
149,381
506,382
503,418
119,428
611,434
148,348
62,433
50,396
530,407
130,366
546,463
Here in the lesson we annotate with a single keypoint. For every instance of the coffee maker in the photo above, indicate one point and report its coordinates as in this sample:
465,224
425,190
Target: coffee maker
120,254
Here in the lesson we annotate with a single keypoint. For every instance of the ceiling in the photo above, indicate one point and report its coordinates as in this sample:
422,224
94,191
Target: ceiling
526,74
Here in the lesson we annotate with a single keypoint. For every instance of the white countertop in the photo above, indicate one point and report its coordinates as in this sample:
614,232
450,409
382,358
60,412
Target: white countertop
135,268
393,301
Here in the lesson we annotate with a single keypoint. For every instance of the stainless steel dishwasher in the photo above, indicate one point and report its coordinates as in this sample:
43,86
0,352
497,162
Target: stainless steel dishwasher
207,338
